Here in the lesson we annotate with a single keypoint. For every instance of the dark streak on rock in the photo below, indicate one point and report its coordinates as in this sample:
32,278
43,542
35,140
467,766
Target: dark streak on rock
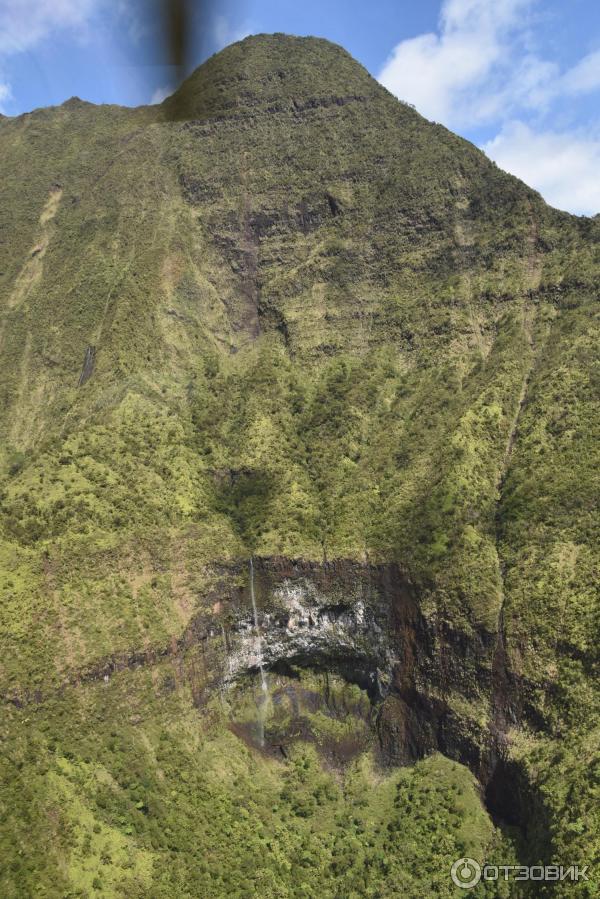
89,360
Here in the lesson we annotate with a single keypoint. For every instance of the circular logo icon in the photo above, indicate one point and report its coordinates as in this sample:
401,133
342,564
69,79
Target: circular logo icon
465,873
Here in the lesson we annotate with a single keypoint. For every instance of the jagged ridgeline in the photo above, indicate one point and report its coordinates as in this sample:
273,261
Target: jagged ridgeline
284,319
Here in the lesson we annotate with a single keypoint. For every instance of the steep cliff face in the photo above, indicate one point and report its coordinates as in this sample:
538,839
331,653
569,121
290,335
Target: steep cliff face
426,686
284,318
432,688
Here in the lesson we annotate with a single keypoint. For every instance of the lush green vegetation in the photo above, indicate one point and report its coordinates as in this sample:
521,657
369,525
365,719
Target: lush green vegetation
126,790
323,328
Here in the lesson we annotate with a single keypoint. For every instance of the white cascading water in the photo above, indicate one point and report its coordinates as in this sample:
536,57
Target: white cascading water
262,707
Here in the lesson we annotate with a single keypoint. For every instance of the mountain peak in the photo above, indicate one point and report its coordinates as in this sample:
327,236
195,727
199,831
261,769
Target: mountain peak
76,103
266,69
293,383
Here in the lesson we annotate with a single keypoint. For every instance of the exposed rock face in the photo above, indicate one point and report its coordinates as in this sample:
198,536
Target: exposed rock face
332,616
435,687
432,688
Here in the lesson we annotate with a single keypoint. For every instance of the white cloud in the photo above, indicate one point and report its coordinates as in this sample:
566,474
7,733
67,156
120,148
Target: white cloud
458,76
479,67
5,94
562,166
24,23
132,16
224,33
583,77
160,94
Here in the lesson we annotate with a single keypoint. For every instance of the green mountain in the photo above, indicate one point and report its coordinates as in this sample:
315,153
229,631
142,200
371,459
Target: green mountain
298,480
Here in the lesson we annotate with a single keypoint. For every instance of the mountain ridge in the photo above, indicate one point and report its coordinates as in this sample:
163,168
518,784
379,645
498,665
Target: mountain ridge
279,40
335,339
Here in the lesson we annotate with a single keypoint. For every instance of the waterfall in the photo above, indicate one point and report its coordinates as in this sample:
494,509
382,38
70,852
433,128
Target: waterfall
259,653
262,706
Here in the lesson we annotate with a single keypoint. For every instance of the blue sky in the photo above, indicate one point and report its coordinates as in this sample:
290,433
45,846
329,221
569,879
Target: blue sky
520,78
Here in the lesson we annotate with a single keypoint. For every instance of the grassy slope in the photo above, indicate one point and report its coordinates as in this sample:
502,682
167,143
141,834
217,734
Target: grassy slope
125,790
318,345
